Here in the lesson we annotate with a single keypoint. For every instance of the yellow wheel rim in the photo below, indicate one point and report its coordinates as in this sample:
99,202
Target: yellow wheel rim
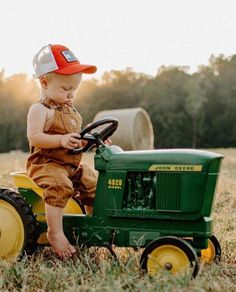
11,231
167,257
208,255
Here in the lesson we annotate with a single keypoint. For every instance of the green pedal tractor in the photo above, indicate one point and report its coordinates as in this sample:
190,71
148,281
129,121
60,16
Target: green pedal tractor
157,200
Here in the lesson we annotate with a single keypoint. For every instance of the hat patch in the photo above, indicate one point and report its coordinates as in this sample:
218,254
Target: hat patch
69,56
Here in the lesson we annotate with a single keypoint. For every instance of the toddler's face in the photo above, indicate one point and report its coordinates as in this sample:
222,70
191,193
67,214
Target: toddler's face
62,88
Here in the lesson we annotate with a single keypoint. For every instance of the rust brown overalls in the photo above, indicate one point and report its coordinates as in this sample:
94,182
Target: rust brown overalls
58,172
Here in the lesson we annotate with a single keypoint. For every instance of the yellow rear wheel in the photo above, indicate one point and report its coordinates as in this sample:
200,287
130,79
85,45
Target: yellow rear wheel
170,253
11,243
18,227
212,252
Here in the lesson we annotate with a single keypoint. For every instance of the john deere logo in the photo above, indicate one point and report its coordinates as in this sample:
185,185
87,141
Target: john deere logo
172,167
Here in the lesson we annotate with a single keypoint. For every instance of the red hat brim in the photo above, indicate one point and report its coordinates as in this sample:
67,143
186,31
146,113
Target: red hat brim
77,68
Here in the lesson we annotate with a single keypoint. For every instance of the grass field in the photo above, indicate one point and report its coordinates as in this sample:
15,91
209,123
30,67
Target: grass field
94,270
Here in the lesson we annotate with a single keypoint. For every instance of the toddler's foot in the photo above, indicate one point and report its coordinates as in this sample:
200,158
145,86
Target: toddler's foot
61,245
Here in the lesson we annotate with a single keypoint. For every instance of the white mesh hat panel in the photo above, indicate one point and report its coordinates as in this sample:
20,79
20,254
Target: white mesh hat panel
44,62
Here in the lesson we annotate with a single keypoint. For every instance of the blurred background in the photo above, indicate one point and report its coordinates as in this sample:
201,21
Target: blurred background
175,60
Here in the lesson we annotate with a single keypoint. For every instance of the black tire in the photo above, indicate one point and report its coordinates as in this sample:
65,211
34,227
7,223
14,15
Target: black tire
173,246
13,204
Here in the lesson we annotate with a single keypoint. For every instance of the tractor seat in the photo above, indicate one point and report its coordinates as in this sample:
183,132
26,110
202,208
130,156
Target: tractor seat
22,180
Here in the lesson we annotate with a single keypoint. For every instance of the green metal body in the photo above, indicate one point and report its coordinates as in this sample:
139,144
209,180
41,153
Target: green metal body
142,195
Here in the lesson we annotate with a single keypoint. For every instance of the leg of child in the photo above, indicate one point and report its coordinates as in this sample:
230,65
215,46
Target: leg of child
85,182
55,234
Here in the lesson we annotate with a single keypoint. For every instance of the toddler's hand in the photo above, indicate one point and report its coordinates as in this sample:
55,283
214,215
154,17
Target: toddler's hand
108,141
70,141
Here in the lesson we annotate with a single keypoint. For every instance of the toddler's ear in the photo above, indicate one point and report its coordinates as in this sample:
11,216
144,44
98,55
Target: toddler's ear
43,81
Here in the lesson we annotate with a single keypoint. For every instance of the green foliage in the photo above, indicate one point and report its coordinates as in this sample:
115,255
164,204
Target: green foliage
197,110
187,110
16,95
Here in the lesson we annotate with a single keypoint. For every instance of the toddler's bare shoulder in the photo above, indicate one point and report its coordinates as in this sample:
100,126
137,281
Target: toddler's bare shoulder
38,106
38,111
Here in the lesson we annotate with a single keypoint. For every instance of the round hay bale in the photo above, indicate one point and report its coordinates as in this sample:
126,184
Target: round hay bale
135,131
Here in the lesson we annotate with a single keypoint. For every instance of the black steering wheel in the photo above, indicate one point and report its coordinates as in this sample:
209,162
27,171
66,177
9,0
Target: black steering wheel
96,138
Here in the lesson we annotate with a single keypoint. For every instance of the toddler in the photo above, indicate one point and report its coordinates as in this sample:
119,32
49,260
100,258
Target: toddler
53,125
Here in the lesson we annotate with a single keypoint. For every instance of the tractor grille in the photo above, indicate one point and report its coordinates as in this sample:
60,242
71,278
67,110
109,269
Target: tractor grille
168,192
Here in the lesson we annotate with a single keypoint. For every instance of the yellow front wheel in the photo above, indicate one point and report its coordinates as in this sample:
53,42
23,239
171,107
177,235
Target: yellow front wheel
18,226
213,252
170,253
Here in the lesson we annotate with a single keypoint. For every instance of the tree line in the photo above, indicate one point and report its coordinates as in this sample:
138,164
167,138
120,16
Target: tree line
187,110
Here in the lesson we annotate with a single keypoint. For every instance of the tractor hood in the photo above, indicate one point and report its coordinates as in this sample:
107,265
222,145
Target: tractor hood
159,160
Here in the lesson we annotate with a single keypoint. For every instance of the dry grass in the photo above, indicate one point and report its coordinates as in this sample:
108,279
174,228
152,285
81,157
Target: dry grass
93,270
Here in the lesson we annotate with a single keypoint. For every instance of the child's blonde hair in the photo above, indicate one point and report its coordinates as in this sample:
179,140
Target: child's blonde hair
48,76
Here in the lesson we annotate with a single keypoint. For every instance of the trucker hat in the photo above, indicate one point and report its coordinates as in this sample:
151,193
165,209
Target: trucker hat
59,59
